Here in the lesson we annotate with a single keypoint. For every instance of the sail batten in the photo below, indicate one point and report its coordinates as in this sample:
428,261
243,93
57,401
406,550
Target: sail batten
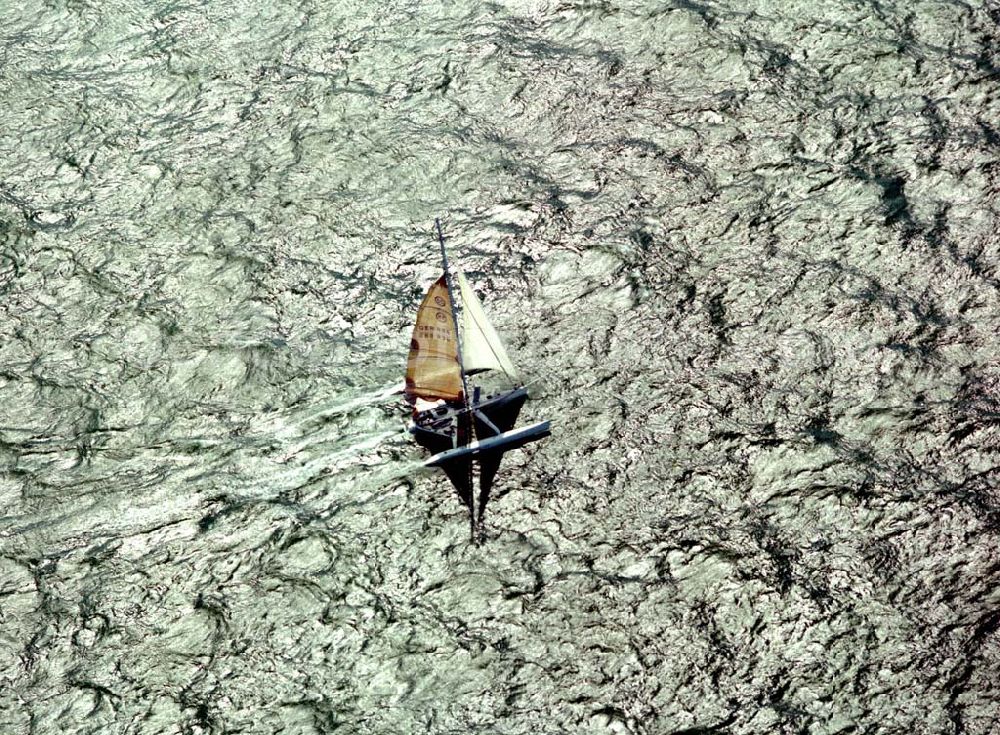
481,346
433,370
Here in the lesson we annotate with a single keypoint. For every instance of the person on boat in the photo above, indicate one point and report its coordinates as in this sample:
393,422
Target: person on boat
432,413
420,405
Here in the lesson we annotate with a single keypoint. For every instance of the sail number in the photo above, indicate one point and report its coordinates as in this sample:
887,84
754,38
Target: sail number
428,331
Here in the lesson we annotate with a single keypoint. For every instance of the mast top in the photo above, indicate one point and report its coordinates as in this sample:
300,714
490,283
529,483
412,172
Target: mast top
444,253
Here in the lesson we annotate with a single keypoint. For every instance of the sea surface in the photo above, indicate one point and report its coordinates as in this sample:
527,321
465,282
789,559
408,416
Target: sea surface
745,253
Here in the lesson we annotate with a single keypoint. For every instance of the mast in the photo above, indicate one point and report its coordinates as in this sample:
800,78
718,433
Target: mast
454,313
466,415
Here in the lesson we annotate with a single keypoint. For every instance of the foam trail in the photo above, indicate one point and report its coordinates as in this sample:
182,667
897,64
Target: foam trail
283,426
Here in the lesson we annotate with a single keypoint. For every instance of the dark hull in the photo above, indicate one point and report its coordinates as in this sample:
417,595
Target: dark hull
502,414
457,432
451,426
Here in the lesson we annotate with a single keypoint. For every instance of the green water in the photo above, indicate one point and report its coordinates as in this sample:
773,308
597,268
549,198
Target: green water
745,254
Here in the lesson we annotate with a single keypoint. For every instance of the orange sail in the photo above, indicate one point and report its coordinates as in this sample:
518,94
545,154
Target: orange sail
432,369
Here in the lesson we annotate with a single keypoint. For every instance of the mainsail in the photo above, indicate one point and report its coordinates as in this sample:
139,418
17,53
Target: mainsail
481,346
433,370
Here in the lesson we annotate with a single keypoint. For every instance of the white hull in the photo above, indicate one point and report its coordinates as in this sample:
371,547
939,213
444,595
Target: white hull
502,442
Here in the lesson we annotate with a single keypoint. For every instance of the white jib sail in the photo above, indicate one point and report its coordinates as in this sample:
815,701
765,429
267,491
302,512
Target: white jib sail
481,345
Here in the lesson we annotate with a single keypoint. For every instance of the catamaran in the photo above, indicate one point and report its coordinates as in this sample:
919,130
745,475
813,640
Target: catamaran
463,423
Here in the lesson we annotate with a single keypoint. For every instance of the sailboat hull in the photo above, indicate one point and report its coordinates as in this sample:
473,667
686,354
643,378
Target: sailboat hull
494,416
435,430
456,431
446,431
501,410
